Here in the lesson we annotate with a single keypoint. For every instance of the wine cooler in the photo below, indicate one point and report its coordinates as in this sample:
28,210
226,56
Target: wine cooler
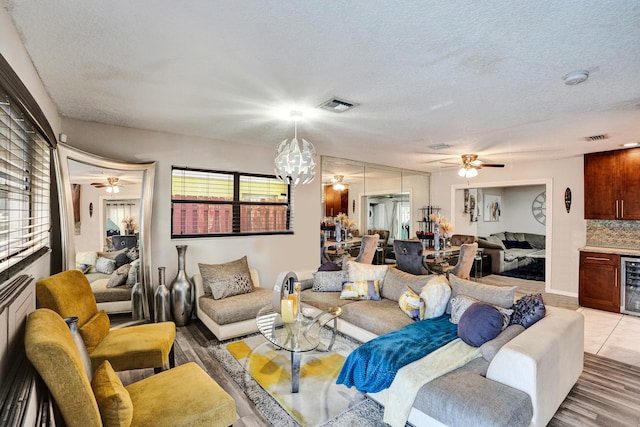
630,286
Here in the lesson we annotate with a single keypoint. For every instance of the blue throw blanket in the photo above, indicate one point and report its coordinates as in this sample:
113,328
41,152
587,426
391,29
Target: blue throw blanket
373,366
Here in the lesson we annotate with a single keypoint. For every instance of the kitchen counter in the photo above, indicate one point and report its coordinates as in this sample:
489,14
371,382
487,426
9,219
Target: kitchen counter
618,251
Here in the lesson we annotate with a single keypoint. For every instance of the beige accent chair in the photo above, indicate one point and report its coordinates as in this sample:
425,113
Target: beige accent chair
462,269
182,396
368,247
142,346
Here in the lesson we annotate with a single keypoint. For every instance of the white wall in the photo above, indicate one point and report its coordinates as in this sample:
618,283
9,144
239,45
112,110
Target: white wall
13,51
516,202
567,229
269,254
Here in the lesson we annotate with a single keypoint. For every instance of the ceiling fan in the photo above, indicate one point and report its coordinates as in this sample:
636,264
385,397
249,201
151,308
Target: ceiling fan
471,164
112,185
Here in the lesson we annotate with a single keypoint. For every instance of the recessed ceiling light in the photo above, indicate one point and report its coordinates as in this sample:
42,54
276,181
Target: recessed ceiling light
631,144
576,77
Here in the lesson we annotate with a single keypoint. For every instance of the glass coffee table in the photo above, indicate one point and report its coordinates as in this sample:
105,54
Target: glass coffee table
296,337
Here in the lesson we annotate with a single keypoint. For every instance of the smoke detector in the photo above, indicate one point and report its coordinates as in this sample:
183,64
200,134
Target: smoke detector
576,77
337,105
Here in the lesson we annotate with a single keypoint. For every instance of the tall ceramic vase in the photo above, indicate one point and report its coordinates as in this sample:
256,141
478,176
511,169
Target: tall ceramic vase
436,237
162,299
72,323
182,292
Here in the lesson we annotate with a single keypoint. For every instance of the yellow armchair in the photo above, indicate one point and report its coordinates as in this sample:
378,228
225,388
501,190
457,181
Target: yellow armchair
182,396
142,346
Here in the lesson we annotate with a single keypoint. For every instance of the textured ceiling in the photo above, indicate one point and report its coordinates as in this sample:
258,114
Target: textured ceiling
484,77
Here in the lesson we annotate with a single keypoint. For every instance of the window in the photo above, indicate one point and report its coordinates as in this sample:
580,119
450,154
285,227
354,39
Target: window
24,189
213,203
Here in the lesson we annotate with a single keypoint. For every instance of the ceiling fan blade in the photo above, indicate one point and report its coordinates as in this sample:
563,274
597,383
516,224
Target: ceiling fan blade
99,184
491,165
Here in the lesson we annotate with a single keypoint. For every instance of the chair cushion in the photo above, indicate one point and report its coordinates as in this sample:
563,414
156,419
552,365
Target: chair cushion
225,280
182,396
236,308
95,330
134,347
116,408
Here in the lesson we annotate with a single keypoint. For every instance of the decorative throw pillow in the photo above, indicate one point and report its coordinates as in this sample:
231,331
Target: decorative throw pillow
358,271
87,258
496,241
105,265
329,281
95,329
121,260
114,401
396,282
225,280
133,253
84,267
132,277
119,277
361,290
479,323
411,304
435,294
528,310
499,296
460,304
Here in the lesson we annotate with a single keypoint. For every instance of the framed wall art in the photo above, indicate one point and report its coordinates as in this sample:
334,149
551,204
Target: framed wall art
492,207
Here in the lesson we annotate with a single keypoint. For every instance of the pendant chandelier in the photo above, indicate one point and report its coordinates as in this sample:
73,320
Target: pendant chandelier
295,165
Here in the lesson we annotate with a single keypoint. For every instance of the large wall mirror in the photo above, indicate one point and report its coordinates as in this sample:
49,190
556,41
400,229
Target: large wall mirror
374,197
105,208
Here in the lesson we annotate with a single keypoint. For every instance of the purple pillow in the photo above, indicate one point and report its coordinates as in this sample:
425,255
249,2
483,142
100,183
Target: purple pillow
528,310
479,323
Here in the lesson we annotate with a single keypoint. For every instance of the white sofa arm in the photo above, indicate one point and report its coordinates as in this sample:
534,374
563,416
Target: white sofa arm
544,361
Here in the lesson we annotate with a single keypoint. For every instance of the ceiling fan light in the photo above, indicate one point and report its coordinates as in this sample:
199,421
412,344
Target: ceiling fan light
109,189
462,171
472,172
116,189
338,186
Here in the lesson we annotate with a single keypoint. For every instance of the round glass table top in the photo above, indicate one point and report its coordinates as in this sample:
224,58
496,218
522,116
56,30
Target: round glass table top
300,335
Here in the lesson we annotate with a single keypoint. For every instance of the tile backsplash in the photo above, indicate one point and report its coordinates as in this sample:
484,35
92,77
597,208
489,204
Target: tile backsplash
613,233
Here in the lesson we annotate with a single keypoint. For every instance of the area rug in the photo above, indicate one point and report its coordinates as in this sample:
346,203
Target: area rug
532,271
264,372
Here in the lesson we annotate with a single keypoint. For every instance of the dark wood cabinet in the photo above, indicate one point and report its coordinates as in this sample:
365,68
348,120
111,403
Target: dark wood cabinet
612,185
600,281
336,202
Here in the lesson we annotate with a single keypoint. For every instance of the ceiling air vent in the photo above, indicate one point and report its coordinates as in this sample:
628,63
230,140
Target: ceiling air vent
338,105
597,137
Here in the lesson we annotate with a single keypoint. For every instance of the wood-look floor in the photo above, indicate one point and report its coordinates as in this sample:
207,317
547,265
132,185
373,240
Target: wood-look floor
606,394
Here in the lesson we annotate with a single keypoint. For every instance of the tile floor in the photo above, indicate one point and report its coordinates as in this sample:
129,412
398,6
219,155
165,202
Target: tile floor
616,336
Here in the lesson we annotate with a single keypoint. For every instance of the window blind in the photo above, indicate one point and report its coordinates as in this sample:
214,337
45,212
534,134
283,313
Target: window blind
219,203
25,171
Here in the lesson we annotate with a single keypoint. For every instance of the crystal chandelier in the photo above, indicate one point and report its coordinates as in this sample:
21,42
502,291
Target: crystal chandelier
294,165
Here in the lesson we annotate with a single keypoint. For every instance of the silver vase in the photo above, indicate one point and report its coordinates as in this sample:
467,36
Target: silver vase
137,306
72,323
162,299
182,292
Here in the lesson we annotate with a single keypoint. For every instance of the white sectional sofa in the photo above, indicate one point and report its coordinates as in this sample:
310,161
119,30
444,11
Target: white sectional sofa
543,362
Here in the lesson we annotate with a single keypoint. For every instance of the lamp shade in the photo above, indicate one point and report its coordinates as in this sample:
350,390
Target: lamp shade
295,165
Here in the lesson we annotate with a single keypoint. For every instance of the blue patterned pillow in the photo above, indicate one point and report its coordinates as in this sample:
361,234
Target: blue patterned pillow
412,305
528,310
361,290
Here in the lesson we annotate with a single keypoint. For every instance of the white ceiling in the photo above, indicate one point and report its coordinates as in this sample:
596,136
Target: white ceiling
484,77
